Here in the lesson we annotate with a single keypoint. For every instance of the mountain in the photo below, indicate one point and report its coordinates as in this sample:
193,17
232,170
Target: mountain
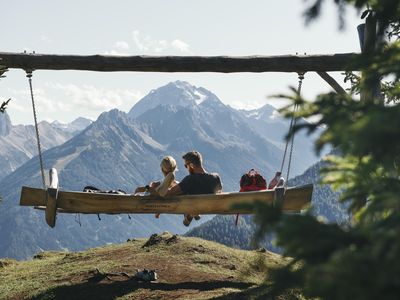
122,151
229,147
18,143
324,201
268,123
111,153
5,124
262,125
74,127
178,93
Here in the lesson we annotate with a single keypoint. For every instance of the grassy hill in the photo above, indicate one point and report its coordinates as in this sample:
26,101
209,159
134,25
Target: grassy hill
188,268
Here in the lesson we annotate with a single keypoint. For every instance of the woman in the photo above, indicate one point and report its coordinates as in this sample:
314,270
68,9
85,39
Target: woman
168,168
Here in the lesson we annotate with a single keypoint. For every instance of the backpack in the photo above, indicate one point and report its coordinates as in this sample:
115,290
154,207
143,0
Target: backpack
92,189
252,181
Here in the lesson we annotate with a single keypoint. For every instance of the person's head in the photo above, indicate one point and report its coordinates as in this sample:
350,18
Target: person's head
193,160
168,165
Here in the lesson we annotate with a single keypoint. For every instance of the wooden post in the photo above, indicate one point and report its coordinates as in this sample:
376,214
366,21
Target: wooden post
370,88
279,196
51,198
370,43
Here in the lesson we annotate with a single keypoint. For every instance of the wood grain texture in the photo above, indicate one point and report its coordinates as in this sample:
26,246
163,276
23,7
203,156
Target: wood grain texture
51,206
221,64
296,199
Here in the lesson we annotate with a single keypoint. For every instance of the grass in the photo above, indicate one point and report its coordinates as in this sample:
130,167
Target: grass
188,268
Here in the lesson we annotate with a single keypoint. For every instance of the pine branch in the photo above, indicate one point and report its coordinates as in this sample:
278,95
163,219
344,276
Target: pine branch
4,106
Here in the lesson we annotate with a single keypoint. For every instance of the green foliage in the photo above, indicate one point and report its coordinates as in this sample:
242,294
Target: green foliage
358,261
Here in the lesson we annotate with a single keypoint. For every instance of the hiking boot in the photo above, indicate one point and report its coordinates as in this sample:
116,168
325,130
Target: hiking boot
146,275
187,220
197,217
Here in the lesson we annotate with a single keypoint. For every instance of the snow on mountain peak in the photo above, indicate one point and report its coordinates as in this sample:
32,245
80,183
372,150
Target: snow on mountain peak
178,93
5,124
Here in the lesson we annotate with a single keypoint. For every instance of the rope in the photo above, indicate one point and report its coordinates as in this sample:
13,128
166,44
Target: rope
29,75
287,142
292,124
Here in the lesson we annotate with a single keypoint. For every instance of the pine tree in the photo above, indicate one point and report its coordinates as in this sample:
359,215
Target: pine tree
360,261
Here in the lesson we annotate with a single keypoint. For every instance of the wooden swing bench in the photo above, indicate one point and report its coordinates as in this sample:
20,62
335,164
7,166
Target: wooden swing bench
54,201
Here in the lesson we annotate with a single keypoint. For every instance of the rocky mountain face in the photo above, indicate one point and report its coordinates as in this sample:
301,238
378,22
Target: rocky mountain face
267,122
18,143
5,124
122,151
178,94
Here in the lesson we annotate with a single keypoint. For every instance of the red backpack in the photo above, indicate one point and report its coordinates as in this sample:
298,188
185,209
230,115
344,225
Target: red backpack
252,181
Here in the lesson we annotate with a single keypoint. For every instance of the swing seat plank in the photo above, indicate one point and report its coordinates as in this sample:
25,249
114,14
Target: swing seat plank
296,199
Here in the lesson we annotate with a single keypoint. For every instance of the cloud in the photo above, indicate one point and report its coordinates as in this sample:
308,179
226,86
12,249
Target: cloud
145,44
121,45
93,98
119,48
180,45
71,98
148,44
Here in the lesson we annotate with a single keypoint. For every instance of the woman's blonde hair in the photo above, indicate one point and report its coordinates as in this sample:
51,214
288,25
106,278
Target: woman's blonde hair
168,164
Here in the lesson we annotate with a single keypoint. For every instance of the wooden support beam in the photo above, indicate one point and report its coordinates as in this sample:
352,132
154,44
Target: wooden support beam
51,198
222,64
332,82
51,206
370,88
279,196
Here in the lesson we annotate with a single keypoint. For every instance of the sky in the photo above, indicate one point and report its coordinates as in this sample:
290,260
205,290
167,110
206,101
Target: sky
160,27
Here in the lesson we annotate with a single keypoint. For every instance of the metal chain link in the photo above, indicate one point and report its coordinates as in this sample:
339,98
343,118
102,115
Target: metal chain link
29,75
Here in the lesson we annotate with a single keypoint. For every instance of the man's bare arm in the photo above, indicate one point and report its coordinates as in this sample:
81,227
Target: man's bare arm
175,190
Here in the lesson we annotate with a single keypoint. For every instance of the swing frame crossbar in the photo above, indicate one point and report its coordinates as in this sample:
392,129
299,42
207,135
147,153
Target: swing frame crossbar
222,64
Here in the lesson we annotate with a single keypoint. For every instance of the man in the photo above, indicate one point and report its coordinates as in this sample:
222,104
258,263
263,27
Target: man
197,182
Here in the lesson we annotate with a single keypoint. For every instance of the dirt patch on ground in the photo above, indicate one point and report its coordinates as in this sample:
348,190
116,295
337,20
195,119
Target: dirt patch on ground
7,262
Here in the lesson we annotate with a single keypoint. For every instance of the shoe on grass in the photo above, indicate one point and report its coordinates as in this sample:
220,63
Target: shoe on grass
146,275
